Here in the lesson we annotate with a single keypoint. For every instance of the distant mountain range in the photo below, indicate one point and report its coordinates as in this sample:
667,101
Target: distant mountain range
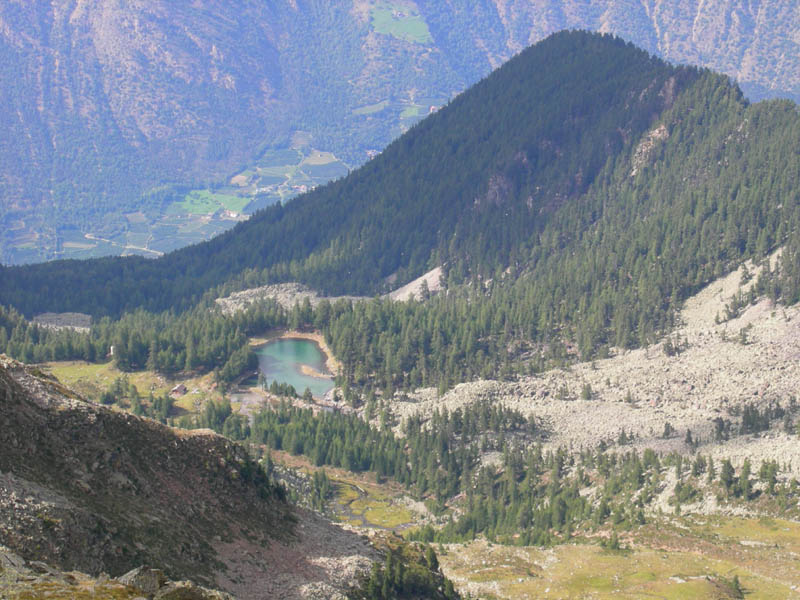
112,112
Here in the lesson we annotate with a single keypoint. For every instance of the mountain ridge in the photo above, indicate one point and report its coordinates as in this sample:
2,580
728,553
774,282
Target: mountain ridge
573,199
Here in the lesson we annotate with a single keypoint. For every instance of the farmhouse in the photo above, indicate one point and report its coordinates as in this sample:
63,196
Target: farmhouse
178,390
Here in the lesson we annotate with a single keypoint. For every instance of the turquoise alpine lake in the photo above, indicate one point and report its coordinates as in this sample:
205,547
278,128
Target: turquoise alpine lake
284,360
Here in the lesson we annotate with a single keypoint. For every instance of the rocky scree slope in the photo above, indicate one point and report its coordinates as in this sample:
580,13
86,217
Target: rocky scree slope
719,367
86,488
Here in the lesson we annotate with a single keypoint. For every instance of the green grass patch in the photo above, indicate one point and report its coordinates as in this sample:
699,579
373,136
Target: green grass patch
282,172
235,203
387,515
279,158
409,112
78,245
345,493
400,21
325,172
371,109
766,531
190,227
138,239
203,202
198,202
267,180
92,379
187,402
371,506
587,571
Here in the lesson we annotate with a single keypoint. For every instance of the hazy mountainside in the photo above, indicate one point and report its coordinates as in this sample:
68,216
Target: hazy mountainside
108,103
115,109
90,489
753,42
117,97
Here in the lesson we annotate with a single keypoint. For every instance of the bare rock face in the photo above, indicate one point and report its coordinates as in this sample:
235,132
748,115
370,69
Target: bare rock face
87,489
145,579
35,579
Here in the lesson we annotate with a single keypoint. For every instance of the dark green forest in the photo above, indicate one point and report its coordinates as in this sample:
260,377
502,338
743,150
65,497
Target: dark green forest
196,340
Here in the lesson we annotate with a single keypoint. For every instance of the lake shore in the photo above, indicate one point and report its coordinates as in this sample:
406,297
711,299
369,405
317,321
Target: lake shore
331,363
311,372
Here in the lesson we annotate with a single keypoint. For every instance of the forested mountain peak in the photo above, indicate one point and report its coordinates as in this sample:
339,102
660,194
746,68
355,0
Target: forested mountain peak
535,132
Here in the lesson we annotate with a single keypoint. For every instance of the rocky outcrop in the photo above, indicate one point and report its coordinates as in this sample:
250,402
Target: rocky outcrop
644,150
285,294
35,579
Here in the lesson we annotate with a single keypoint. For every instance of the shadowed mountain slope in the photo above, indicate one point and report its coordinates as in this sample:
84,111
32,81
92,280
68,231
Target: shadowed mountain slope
86,488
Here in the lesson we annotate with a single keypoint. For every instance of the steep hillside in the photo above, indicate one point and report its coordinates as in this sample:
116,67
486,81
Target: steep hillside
89,489
708,368
120,109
